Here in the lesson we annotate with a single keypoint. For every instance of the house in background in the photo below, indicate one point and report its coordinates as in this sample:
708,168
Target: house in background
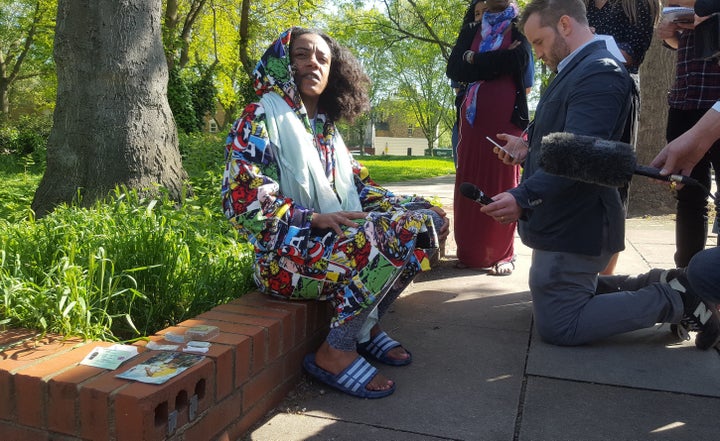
395,135
213,123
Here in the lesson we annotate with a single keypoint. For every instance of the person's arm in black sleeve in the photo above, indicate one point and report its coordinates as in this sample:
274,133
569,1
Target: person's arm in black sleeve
456,64
492,64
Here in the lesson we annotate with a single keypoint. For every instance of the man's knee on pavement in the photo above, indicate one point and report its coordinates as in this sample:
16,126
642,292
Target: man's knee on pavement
555,333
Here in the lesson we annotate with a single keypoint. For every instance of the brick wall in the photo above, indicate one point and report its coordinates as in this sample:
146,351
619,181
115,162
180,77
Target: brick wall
45,394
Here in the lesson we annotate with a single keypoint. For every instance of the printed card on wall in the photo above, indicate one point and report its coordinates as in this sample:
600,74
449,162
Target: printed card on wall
161,367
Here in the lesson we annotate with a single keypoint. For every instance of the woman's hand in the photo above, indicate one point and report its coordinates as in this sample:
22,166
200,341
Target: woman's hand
333,221
444,230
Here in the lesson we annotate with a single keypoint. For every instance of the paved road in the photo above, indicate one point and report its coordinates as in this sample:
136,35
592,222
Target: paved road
481,373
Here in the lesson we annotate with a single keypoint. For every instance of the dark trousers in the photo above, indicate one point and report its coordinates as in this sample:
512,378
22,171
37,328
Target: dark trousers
691,226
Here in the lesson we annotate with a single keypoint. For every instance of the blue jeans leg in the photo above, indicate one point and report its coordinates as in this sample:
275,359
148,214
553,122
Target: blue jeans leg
703,272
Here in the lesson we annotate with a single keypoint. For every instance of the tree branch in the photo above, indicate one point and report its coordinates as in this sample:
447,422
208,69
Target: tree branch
29,38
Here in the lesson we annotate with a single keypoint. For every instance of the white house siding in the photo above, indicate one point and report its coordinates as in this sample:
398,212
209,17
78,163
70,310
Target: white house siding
400,146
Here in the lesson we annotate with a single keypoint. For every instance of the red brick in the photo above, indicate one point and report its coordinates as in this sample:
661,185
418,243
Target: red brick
7,405
292,362
216,418
241,349
224,357
297,308
262,383
272,329
260,336
9,337
30,384
95,404
64,397
257,335
268,402
11,432
32,352
287,329
319,315
141,410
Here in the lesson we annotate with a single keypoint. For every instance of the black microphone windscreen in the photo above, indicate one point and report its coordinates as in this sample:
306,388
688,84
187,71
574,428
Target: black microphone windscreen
587,159
469,190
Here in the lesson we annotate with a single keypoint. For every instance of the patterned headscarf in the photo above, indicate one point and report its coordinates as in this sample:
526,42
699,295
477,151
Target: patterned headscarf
493,26
273,73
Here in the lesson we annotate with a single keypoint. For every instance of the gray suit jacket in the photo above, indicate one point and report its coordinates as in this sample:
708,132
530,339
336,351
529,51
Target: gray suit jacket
591,96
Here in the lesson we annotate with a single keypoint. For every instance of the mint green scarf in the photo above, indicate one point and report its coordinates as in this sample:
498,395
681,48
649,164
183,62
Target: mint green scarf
302,176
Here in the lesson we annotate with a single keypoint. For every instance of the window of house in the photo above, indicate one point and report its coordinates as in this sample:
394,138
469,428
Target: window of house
410,131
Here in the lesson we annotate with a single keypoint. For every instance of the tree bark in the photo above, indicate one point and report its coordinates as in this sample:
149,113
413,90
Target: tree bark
656,76
112,122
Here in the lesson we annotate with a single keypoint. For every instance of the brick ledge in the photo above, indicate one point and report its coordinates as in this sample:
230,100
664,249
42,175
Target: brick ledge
251,366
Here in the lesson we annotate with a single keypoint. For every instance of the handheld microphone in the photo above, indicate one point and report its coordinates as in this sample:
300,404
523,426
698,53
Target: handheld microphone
471,191
597,161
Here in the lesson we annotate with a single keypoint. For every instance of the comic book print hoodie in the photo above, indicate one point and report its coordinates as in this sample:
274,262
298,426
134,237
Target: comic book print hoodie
292,260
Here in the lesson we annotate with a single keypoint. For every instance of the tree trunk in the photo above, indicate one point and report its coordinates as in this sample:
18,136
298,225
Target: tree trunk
656,76
4,97
112,122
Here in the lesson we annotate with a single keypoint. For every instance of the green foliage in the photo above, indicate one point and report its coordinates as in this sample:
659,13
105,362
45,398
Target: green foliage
180,99
203,97
27,70
24,136
191,98
126,267
403,47
20,176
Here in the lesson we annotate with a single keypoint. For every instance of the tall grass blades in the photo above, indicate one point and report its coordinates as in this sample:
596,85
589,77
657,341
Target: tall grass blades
124,268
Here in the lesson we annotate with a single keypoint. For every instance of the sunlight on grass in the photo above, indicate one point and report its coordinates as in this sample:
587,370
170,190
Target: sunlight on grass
387,169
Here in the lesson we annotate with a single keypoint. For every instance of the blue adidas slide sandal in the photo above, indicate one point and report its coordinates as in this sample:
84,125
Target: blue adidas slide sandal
377,349
352,380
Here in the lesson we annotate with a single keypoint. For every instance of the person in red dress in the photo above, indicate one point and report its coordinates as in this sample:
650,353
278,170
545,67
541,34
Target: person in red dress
491,57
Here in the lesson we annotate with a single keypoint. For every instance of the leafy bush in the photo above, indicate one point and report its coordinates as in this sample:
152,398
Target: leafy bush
180,101
27,135
124,268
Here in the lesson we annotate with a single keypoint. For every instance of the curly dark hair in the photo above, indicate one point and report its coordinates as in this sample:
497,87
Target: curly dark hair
469,16
346,95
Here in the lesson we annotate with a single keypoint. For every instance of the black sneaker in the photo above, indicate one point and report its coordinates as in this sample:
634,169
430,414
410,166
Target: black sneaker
698,316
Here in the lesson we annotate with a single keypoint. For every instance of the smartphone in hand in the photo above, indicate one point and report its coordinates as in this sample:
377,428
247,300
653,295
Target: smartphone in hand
500,147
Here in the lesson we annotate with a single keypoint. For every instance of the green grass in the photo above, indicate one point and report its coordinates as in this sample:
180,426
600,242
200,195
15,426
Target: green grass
20,177
387,169
130,266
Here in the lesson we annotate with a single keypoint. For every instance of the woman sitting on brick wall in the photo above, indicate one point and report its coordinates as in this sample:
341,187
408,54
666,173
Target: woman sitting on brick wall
321,228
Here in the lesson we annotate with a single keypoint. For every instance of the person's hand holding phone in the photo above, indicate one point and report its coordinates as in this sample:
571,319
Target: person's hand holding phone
513,152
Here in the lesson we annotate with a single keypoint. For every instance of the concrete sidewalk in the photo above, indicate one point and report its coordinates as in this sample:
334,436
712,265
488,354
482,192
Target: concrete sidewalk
479,371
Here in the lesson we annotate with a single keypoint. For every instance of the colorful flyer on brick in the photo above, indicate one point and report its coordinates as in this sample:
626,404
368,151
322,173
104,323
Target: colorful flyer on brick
161,367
